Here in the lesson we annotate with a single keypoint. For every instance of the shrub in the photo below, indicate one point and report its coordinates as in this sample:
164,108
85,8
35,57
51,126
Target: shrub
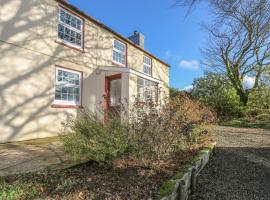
86,136
258,107
217,92
150,136
157,133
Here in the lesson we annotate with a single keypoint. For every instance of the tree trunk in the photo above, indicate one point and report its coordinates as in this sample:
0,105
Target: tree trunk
244,97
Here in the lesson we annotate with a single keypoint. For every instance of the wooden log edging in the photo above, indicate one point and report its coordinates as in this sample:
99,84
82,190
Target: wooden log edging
183,183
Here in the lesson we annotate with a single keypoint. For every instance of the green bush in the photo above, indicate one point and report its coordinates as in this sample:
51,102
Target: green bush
258,107
218,93
86,136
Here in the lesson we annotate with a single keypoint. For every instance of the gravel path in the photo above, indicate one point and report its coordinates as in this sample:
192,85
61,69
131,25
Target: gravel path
240,169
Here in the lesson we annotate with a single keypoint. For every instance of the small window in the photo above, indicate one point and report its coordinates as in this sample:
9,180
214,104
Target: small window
70,29
147,65
147,90
67,87
119,52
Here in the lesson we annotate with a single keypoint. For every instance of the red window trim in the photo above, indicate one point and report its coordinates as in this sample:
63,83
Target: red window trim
82,50
115,63
81,90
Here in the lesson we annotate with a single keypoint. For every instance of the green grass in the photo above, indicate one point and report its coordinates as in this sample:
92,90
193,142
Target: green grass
166,189
32,186
245,123
17,190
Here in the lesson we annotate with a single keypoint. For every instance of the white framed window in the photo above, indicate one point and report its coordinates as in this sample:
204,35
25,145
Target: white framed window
147,90
119,52
67,87
70,29
147,65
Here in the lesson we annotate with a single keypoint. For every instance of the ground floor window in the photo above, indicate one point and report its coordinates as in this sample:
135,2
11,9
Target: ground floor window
147,90
67,87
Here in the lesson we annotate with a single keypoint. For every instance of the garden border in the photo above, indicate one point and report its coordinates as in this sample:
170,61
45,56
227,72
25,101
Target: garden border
183,183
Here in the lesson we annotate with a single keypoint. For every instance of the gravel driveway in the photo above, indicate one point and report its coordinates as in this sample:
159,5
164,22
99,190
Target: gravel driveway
241,167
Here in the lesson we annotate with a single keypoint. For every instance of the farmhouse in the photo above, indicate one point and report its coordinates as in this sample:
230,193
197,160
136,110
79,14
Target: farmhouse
55,60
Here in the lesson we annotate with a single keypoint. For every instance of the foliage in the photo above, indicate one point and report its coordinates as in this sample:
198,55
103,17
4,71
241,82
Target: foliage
157,133
239,41
17,191
39,185
217,92
87,136
166,189
259,103
174,92
152,134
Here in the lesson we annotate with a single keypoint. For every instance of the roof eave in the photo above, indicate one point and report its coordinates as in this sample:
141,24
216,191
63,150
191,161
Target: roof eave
70,6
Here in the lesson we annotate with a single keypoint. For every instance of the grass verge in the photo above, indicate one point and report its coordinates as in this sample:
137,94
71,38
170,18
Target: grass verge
245,123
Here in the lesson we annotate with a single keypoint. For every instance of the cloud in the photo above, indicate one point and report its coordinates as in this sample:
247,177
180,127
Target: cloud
169,55
188,88
189,64
248,82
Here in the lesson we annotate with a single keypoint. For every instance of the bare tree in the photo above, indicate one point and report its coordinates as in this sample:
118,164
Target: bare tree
239,44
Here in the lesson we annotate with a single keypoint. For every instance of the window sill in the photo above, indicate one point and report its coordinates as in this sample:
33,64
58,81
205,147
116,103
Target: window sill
70,46
150,75
118,64
66,106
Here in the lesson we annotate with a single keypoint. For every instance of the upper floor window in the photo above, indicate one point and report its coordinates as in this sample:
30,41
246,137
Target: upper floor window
68,87
119,52
70,29
147,65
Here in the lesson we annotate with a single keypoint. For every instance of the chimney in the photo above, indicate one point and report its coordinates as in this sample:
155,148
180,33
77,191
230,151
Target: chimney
137,38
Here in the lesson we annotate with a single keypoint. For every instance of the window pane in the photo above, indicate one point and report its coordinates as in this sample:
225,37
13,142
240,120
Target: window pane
58,89
64,90
59,79
77,91
58,96
64,97
70,97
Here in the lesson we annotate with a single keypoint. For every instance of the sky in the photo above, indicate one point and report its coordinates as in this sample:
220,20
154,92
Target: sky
169,35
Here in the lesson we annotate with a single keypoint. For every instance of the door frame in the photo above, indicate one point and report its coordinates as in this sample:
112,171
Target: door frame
107,91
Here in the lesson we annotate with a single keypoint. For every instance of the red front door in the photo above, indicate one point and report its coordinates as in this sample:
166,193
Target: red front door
113,94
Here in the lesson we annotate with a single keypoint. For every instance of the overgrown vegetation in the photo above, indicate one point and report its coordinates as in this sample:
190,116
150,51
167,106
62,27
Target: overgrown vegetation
140,153
236,61
216,91
150,137
239,42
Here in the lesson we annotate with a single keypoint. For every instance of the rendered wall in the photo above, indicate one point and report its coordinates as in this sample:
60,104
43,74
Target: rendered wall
28,56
